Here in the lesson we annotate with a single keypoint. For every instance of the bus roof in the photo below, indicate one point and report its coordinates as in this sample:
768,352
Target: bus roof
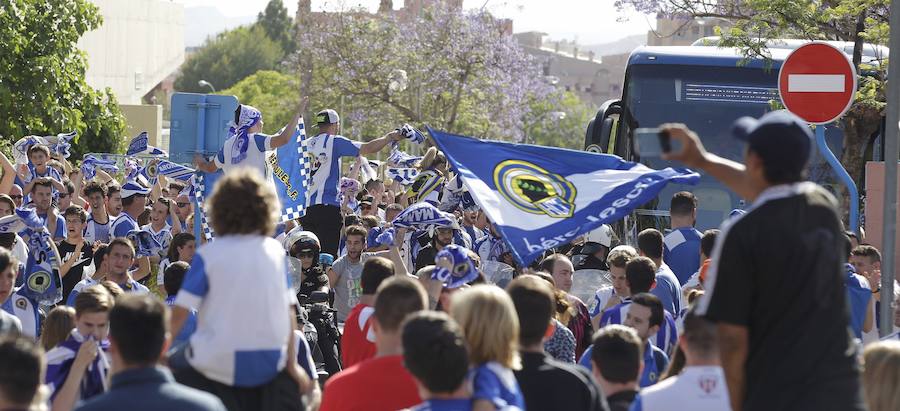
702,56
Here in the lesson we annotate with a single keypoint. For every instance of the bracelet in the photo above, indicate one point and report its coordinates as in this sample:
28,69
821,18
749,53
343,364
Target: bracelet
876,291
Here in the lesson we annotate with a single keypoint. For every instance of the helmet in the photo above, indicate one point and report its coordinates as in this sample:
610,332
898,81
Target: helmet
601,235
298,240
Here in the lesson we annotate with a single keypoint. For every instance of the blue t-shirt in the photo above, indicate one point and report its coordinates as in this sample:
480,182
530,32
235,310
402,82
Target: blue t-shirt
457,404
123,224
497,384
668,290
858,295
190,323
681,252
667,336
325,167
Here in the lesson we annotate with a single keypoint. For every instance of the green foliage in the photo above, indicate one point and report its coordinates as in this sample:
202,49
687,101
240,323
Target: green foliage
230,57
548,130
42,76
279,27
273,93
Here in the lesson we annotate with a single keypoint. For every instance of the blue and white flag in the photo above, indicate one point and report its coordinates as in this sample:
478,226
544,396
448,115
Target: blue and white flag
140,144
290,171
542,197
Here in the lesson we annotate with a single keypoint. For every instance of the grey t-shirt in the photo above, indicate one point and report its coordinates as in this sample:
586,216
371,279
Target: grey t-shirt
346,286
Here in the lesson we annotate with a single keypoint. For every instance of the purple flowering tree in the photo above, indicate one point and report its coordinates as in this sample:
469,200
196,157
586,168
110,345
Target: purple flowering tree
456,71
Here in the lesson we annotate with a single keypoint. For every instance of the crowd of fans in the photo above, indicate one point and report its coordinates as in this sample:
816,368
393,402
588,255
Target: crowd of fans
379,310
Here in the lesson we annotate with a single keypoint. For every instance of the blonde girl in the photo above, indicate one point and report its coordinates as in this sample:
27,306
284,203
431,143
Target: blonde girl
491,326
882,376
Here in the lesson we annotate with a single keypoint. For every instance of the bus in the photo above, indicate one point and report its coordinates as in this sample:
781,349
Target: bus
707,88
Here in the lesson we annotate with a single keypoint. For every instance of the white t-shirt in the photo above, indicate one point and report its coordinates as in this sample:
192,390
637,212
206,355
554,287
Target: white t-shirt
238,344
256,153
696,389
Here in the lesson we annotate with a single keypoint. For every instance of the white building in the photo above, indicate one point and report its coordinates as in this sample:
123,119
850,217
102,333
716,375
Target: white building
138,45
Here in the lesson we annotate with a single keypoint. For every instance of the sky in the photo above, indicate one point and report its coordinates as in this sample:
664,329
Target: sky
588,21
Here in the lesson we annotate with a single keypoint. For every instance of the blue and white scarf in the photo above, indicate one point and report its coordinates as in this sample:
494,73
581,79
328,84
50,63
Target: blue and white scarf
61,358
424,216
248,118
140,144
398,158
59,144
90,164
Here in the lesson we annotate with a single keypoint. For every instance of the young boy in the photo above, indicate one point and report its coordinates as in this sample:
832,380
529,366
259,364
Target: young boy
75,252
39,157
77,368
434,352
97,227
239,364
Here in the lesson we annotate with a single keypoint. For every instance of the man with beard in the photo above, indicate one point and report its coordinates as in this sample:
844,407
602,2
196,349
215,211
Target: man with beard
344,275
443,236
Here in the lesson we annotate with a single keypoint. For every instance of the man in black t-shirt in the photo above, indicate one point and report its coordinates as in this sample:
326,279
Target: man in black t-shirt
547,384
776,289
443,236
75,252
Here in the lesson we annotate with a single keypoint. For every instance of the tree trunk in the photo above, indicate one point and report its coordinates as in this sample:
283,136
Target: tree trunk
859,124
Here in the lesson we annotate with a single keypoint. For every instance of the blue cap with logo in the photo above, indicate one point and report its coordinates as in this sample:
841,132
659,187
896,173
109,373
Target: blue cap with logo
780,138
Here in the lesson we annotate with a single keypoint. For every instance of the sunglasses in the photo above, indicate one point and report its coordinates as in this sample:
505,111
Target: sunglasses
182,205
16,197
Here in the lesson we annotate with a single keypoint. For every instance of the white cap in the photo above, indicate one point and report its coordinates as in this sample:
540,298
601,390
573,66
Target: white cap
601,235
327,116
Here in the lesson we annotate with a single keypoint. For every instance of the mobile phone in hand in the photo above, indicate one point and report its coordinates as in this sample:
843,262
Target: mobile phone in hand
652,142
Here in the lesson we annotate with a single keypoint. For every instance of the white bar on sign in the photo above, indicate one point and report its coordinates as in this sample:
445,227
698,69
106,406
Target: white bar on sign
815,83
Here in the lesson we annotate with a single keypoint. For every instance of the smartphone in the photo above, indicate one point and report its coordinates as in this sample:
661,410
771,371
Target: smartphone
651,142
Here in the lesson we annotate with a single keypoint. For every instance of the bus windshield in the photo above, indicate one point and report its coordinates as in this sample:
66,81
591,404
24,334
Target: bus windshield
708,99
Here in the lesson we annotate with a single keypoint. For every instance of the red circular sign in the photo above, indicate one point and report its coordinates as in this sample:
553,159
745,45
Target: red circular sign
817,82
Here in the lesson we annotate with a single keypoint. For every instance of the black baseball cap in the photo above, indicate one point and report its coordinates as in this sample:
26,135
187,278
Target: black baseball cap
780,138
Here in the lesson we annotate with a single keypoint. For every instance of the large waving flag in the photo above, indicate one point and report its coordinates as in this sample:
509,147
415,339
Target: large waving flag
543,197
290,169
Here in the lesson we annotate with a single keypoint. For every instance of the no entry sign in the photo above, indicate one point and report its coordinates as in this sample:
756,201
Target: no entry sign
817,82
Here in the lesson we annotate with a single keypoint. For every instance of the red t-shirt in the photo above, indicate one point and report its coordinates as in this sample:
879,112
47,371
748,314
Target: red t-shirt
379,384
358,341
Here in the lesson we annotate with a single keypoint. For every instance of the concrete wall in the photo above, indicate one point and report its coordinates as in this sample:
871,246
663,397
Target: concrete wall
139,44
144,117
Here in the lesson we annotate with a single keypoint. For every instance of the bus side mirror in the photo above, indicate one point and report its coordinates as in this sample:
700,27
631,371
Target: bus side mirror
600,134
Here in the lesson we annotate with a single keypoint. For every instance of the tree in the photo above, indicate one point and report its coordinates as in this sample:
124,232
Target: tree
279,27
42,76
273,93
559,122
230,57
758,21
452,70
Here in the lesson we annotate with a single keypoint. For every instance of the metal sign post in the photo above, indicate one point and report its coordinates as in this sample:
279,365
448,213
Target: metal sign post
891,154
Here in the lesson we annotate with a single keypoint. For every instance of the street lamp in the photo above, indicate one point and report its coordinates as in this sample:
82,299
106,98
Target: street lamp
204,83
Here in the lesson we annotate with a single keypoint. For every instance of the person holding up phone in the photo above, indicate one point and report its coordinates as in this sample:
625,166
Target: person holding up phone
775,284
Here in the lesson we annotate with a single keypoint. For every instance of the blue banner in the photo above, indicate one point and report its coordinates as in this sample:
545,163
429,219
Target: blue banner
541,197
290,171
